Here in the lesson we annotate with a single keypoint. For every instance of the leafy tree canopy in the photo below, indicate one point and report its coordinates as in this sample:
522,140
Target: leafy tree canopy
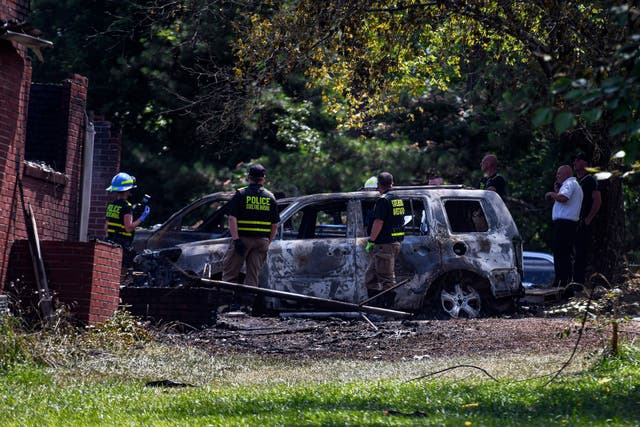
370,53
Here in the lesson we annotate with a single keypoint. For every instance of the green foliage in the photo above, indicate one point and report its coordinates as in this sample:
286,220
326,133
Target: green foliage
13,347
122,330
621,362
606,93
329,93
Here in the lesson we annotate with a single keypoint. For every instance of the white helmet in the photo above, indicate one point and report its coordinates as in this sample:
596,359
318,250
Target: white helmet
371,182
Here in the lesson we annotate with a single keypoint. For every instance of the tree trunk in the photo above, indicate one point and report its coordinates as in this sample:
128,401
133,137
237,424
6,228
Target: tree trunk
607,255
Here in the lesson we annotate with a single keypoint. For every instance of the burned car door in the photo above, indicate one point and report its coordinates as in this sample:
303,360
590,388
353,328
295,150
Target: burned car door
483,240
419,260
314,252
419,256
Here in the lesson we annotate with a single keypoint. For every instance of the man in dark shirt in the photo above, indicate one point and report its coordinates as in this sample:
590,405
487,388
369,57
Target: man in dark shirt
492,180
387,231
253,222
590,206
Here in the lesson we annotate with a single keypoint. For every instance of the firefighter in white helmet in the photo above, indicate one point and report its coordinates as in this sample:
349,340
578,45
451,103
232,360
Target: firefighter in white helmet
371,183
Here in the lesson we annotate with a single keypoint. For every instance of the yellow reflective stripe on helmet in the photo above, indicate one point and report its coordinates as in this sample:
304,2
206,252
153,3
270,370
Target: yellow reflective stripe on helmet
254,222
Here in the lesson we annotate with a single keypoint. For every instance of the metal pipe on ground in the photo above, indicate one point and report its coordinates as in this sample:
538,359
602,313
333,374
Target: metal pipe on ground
383,292
321,314
347,306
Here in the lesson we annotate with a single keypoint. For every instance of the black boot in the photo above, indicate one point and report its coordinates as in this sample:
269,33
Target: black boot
388,299
377,302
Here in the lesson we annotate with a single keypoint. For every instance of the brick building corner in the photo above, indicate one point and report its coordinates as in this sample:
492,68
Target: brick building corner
58,162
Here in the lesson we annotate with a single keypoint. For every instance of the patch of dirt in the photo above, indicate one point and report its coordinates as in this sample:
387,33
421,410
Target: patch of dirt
554,330
333,338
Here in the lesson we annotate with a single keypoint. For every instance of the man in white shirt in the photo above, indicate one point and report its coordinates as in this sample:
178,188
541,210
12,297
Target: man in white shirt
565,214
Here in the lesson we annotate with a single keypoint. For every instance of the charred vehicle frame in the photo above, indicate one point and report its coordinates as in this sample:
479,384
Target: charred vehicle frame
461,256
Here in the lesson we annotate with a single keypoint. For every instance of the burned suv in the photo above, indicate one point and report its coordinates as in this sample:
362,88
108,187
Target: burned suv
461,255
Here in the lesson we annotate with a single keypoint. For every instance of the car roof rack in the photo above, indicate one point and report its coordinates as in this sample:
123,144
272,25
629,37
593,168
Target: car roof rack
414,187
423,186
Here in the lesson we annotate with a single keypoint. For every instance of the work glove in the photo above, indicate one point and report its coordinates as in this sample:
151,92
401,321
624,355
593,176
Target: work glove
369,246
145,213
238,246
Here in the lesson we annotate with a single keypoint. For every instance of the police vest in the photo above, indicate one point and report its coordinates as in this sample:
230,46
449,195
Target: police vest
255,212
393,224
116,211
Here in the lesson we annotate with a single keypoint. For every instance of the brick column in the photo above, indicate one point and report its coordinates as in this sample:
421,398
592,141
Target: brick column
84,276
106,163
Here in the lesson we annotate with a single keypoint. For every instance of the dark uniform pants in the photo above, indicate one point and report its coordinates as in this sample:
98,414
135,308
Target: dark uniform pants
255,254
582,245
564,232
128,254
380,274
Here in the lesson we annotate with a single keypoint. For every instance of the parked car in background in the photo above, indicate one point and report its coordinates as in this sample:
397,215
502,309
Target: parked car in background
461,256
538,270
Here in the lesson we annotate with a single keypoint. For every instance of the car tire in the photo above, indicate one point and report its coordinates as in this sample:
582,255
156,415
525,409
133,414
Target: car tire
458,299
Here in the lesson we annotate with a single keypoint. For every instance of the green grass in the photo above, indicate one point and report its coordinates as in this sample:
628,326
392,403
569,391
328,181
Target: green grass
32,396
65,380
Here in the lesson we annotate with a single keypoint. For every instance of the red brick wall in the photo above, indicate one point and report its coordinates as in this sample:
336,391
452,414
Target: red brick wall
15,77
55,197
14,9
106,163
84,276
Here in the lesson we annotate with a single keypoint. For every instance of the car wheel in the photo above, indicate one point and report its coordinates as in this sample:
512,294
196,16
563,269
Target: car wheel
460,300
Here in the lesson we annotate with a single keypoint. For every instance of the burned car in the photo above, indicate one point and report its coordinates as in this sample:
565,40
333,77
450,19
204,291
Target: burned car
461,255
200,220
205,218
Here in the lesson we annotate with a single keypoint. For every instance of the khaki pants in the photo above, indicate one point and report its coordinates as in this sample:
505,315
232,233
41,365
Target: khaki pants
380,274
255,254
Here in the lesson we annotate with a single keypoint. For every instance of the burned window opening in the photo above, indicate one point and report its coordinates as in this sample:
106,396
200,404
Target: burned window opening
466,216
415,223
209,218
48,126
321,221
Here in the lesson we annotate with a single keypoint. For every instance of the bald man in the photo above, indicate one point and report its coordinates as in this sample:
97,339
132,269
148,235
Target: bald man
492,180
565,215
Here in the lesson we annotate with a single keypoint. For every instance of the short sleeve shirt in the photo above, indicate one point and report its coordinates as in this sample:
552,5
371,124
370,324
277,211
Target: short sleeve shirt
116,211
390,210
569,210
255,209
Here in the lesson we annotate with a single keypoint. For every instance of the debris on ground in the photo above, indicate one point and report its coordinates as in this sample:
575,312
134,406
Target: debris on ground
546,330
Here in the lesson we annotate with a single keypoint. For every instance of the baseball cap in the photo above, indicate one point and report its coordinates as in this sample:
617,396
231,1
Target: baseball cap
257,171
